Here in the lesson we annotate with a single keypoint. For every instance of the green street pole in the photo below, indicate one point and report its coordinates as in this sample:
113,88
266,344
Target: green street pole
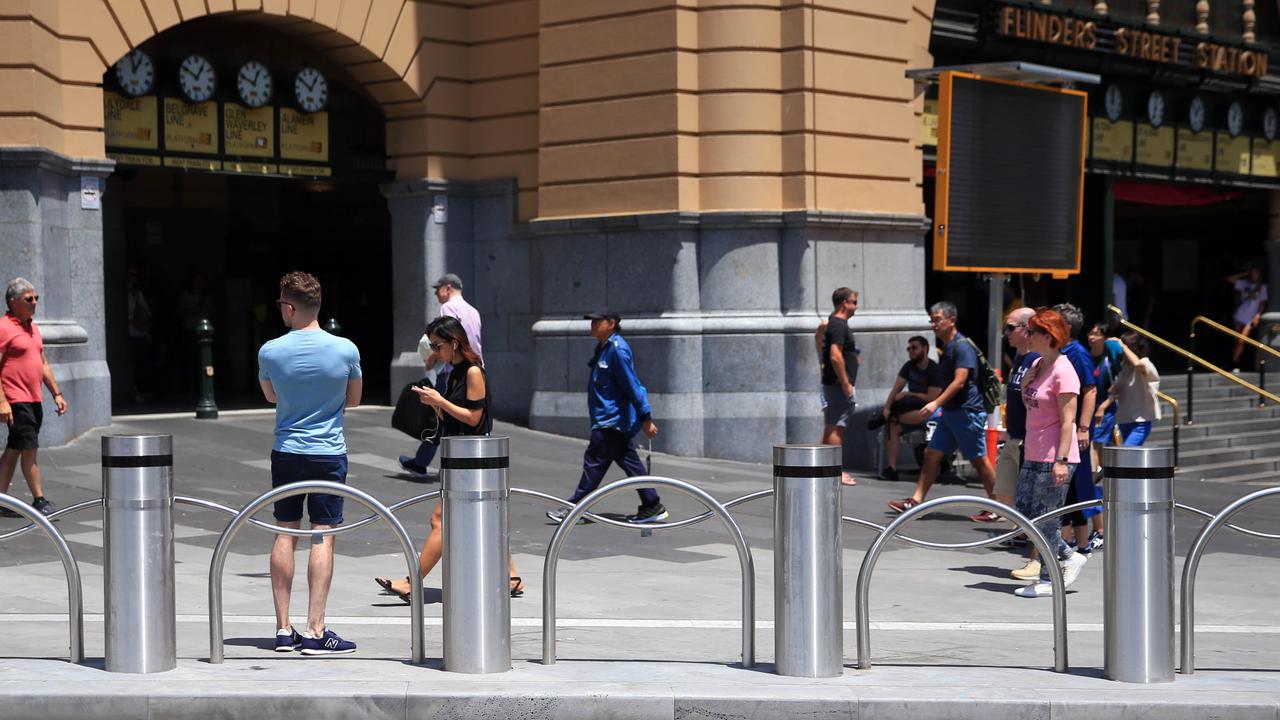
206,409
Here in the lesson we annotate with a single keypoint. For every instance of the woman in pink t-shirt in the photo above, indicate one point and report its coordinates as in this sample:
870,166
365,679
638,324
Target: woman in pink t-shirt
1050,452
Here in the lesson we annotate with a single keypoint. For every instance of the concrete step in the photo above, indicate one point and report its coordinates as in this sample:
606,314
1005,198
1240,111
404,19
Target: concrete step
1217,456
1177,378
1268,413
1210,429
1211,404
1266,478
1227,470
1213,442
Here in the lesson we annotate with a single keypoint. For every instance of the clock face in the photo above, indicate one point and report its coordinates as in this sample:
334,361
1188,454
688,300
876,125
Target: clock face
196,78
1155,108
253,82
136,73
311,89
1114,102
1270,124
1235,119
1196,113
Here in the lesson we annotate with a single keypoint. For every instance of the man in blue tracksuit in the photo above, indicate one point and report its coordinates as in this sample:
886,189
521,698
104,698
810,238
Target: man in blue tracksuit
619,406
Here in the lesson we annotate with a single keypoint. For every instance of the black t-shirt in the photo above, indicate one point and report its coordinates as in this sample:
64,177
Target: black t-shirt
456,393
839,334
918,380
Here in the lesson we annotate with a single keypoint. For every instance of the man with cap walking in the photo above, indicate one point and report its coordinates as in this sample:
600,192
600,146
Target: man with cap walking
449,293
619,406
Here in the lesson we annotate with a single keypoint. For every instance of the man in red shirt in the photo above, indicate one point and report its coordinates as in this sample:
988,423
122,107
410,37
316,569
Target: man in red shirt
22,368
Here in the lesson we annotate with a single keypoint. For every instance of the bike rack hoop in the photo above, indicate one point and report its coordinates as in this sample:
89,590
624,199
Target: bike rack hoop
75,594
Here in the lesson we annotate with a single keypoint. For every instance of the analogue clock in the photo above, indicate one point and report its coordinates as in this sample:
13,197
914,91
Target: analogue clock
1196,114
1113,100
1155,108
1270,124
136,73
311,89
196,78
254,84
1235,119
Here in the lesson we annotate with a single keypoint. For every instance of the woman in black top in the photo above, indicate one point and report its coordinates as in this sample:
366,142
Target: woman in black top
463,410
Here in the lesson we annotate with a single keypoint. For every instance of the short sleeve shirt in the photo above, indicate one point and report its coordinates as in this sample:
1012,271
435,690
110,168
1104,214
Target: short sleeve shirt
839,334
21,360
1044,423
309,370
1015,413
918,380
960,354
1253,298
1080,359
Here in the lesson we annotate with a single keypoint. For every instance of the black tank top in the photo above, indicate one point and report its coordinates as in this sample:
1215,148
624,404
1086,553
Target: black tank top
456,393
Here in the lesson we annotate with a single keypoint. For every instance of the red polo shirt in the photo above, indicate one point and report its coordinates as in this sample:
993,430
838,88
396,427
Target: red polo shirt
21,360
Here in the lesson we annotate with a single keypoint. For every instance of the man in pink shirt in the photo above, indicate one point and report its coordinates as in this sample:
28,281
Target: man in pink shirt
22,368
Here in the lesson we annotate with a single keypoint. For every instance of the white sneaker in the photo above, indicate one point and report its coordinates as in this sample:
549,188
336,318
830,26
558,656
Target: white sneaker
1030,571
1034,590
1071,568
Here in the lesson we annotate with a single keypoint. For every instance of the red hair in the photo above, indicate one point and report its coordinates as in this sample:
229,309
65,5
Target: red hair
1052,324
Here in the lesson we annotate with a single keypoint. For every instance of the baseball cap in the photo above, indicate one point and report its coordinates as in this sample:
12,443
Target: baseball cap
603,315
448,279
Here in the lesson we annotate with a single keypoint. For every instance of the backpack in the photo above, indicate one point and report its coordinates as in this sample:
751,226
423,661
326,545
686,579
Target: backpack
989,385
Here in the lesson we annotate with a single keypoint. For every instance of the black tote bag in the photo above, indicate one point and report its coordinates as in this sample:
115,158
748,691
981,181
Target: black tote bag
414,419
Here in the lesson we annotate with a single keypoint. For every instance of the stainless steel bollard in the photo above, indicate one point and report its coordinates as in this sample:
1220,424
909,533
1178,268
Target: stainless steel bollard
808,588
137,548
1138,579
477,595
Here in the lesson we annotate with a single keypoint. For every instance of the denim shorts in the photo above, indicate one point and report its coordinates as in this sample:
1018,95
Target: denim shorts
961,429
1101,432
322,509
1136,433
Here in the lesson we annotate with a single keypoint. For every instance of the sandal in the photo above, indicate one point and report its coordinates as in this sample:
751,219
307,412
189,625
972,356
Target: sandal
389,586
517,586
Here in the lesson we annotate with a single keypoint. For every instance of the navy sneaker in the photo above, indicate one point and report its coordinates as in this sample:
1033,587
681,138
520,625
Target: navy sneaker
649,513
411,467
287,639
328,644
44,506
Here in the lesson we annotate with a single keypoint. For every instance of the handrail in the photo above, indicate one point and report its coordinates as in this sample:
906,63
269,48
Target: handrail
1177,422
1235,334
1192,357
1192,565
863,597
554,548
75,592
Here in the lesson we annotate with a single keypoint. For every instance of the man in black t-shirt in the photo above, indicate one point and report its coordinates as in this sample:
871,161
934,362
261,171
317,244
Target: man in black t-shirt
839,361
918,382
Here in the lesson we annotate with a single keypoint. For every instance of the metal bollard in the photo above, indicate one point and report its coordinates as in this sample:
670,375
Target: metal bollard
137,547
808,587
1138,587
477,596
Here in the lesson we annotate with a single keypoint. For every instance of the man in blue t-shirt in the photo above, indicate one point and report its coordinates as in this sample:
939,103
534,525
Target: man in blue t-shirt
311,377
1082,487
963,421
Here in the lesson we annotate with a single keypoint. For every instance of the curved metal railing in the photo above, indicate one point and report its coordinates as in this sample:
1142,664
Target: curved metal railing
1026,526
245,516
75,593
1192,565
571,519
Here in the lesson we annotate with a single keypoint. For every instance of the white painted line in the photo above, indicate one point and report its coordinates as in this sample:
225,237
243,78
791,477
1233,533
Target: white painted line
377,462
248,412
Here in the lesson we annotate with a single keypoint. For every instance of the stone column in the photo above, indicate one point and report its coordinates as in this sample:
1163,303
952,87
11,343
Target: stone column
48,238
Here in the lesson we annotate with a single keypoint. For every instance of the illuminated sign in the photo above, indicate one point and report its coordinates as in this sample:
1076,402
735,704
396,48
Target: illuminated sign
248,131
190,128
130,122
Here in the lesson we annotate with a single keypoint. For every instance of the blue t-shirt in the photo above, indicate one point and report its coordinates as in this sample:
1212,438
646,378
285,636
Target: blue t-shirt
960,354
1015,413
1106,368
1082,361
309,370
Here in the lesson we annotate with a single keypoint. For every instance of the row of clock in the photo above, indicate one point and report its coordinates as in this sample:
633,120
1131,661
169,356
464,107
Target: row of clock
197,79
1197,113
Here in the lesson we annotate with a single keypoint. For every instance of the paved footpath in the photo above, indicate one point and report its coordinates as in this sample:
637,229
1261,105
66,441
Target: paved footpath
649,627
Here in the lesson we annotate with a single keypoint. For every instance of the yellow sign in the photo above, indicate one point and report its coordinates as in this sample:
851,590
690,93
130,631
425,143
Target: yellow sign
930,129
1155,145
1233,154
1112,141
192,163
135,159
130,122
1195,150
304,136
248,131
305,170
249,168
1266,158
190,128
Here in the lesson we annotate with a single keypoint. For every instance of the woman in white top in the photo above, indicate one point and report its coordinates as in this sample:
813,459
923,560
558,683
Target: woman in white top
1134,391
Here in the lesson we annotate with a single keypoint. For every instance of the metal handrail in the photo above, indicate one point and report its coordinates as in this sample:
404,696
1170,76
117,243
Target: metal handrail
75,594
1177,422
1262,362
571,519
1041,543
301,488
96,502
1192,565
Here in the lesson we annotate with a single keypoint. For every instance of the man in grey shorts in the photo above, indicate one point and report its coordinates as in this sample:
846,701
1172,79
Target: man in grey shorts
839,360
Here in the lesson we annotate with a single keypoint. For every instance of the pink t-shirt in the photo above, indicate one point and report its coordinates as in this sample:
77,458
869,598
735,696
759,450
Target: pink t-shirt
1043,419
21,360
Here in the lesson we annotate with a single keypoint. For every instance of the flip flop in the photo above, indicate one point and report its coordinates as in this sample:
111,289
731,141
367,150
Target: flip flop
387,585
847,479
517,587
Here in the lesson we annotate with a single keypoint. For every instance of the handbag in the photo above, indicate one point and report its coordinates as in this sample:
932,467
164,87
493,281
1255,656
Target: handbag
411,417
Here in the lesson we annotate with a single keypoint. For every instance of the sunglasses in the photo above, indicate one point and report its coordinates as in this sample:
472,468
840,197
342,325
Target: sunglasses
1010,327
436,346
282,303
1033,331
31,299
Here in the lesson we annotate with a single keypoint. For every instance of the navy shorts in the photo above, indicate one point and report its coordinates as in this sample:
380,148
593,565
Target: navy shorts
322,509
24,433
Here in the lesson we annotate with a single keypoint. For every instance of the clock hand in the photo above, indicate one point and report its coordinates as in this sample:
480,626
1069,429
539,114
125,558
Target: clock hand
185,70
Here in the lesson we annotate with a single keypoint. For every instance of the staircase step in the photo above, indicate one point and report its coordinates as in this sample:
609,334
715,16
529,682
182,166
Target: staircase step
1223,441
1217,456
1266,478
1208,429
1231,469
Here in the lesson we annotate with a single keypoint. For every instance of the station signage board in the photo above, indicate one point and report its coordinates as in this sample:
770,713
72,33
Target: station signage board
304,136
248,132
1195,150
130,122
190,128
1154,146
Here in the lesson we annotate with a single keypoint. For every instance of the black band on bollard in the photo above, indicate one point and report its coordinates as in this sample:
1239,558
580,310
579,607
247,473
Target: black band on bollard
489,463
807,472
1137,473
137,461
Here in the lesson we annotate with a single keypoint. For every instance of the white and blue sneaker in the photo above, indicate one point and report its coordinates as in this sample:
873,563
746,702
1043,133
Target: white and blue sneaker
649,513
327,644
287,639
